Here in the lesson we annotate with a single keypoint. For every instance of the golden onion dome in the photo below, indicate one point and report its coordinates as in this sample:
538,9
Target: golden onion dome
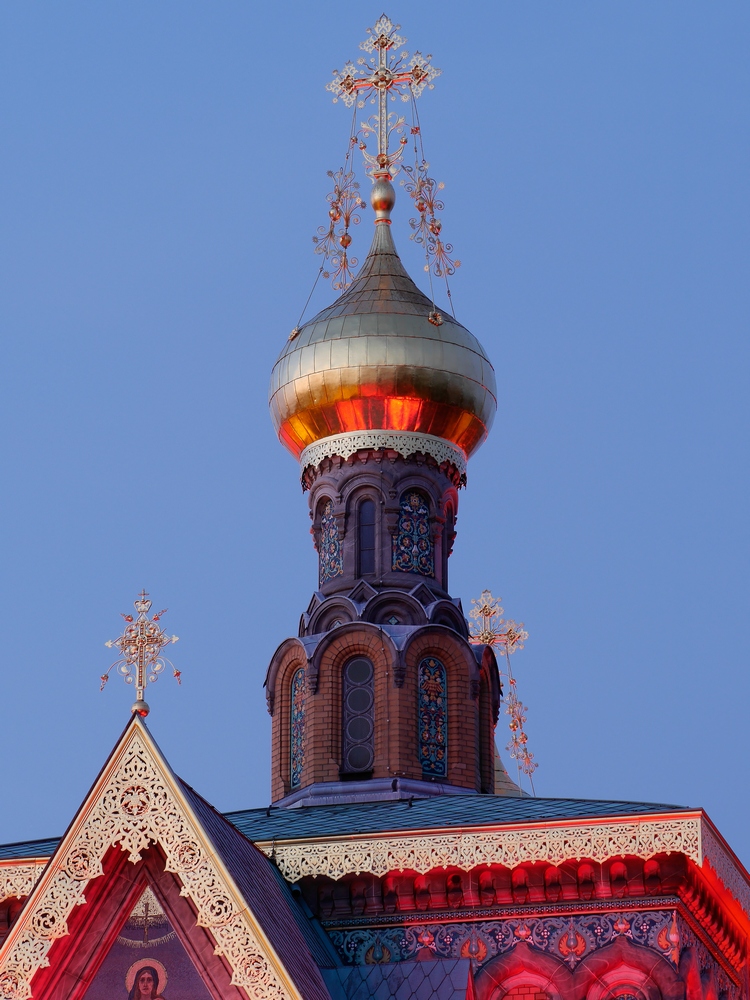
373,369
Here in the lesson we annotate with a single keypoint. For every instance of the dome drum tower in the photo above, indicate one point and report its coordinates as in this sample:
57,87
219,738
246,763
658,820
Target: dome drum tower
382,399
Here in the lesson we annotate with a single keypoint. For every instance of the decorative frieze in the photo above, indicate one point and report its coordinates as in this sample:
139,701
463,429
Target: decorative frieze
405,443
467,849
17,880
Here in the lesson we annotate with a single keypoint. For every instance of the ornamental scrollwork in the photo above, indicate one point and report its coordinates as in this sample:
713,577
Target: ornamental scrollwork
17,880
405,443
422,853
136,807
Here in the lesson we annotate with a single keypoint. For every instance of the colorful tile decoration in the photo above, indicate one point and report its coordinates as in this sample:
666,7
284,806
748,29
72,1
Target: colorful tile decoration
413,551
297,726
569,939
433,718
331,561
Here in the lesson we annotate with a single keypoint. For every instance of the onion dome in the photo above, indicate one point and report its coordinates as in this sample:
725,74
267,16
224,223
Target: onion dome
380,368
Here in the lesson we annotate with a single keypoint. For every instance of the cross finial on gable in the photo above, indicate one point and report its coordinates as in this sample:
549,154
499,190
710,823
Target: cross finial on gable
140,647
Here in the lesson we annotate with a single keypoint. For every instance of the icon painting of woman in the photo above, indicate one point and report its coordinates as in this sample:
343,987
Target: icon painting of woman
146,979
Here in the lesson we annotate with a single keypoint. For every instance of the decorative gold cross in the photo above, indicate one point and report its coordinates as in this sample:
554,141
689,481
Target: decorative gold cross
386,72
140,646
490,628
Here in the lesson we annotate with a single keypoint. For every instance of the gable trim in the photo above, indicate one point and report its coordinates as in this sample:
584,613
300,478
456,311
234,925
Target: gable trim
136,802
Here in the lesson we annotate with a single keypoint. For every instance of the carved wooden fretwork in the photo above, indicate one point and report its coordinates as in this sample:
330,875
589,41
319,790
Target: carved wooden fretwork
137,803
336,857
17,880
725,867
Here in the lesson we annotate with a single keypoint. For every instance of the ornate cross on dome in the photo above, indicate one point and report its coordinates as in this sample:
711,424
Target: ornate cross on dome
140,646
386,72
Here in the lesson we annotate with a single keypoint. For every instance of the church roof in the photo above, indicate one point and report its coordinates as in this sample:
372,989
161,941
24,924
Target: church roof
382,817
274,904
423,814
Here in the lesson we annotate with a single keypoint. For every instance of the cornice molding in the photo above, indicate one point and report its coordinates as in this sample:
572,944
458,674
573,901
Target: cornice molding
406,443
726,867
136,803
507,846
18,878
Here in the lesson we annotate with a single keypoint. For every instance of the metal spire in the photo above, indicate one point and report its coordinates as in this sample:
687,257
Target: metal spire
140,646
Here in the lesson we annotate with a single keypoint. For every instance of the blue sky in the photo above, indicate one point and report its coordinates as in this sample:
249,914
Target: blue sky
163,171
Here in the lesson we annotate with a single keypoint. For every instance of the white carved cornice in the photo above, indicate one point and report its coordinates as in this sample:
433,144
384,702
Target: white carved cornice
507,845
726,867
18,878
136,803
406,443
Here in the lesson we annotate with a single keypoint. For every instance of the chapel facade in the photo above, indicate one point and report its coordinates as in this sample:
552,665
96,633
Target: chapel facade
397,859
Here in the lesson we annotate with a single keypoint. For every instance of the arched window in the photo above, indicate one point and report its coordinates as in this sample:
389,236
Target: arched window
330,561
358,717
366,538
297,728
412,544
433,718
449,531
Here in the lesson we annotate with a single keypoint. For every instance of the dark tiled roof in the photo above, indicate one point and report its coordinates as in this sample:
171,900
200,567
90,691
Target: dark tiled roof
382,817
302,947
443,979
28,849
440,811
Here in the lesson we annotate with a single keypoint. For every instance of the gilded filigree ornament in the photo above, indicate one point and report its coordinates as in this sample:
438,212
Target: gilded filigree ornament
387,71
488,627
427,226
140,646
136,804
333,241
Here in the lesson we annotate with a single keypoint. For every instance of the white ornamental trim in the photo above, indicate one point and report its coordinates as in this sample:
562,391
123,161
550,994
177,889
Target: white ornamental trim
726,867
463,849
19,878
135,804
406,443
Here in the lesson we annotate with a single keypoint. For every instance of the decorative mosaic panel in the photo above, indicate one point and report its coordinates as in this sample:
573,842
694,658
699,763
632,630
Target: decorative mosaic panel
413,551
297,727
330,559
433,718
570,939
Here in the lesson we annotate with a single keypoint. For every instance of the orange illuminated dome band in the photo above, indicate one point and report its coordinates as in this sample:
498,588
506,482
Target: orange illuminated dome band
373,362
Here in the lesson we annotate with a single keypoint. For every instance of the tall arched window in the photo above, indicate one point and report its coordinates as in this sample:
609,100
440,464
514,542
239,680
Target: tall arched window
358,717
433,718
297,728
412,544
330,560
449,531
366,537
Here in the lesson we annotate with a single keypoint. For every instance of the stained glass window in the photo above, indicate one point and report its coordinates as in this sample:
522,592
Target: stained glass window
412,544
358,716
330,559
433,718
297,727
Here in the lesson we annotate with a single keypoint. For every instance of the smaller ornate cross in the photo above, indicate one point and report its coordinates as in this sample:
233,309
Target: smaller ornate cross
490,628
140,647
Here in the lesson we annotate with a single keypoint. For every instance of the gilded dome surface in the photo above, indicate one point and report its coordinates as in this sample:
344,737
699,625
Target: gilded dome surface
373,361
